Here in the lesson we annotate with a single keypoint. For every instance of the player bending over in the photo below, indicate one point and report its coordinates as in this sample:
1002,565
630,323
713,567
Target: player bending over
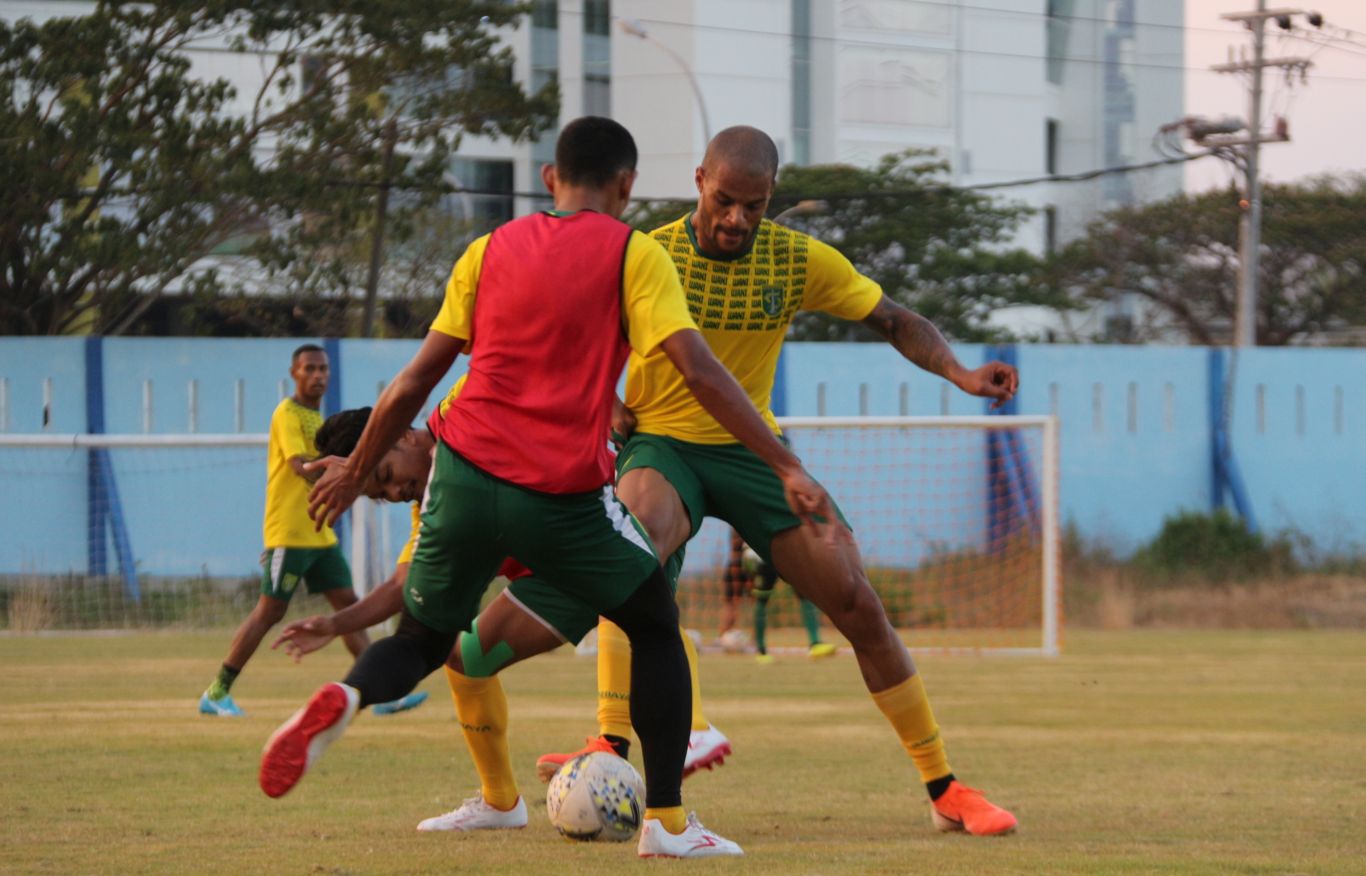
549,305
751,277
400,476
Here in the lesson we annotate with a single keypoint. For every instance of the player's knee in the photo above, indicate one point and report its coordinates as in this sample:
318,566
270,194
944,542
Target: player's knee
649,615
859,614
476,661
432,645
271,611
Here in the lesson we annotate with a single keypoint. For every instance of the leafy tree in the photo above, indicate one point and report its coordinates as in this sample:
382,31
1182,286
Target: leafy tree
123,169
943,252
1180,256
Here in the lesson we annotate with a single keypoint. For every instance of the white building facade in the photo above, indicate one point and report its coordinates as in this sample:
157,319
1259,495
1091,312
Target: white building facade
1003,90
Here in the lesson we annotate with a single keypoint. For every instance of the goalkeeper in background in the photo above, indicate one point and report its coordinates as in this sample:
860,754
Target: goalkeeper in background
745,567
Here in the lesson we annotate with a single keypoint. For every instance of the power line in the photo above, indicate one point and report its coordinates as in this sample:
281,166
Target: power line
960,50
1081,176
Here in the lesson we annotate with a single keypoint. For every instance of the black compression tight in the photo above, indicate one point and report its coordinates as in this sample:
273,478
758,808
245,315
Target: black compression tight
393,666
661,689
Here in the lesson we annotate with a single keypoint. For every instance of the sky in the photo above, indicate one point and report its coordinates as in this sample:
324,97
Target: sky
1327,115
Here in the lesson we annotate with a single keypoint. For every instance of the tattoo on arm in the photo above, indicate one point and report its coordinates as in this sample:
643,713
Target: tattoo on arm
913,336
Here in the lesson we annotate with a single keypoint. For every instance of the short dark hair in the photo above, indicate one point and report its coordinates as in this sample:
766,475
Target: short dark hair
305,348
592,150
338,434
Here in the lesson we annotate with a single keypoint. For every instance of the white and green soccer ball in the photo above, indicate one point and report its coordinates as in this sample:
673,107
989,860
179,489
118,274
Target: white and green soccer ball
596,796
734,641
750,561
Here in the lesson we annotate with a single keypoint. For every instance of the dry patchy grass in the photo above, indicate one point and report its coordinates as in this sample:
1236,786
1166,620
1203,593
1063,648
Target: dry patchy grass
1135,752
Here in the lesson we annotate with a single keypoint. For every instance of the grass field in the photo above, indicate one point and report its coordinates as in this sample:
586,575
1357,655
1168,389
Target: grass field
1136,752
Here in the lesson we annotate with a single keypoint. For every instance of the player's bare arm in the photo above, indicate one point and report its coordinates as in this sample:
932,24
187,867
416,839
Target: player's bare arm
916,338
623,421
309,634
716,390
400,402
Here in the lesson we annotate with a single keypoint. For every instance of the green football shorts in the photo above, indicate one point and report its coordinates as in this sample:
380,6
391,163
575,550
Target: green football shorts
727,481
584,546
319,568
567,615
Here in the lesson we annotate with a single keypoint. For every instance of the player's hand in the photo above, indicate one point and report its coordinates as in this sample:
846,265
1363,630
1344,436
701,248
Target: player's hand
334,492
994,380
316,468
306,636
623,423
809,500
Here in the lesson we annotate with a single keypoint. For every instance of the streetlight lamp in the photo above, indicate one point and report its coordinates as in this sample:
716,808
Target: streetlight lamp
807,207
633,27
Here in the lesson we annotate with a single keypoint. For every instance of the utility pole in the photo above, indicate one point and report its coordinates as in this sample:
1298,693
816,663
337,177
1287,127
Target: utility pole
1250,229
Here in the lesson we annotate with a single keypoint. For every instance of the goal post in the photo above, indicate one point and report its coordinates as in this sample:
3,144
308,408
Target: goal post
111,531
956,519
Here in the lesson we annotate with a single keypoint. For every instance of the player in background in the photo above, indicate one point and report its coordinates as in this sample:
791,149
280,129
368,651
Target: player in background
549,305
747,277
295,550
747,571
735,584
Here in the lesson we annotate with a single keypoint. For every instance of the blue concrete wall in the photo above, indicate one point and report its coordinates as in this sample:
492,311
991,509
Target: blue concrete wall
1135,440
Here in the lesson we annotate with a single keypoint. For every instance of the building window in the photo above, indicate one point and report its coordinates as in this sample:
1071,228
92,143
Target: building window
801,81
545,14
1057,30
1050,146
597,17
484,204
1050,230
597,95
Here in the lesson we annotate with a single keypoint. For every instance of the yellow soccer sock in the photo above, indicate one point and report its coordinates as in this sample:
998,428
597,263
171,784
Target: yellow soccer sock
672,817
699,720
908,708
614,680
482,710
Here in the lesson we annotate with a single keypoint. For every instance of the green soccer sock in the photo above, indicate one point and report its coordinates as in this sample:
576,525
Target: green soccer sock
223,683
761,618
811,619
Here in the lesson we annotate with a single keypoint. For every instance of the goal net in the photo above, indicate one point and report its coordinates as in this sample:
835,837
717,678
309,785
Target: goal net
955,518
118,531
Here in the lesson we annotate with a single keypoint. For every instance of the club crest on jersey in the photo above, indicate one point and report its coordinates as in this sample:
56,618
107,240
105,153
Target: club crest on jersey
771,298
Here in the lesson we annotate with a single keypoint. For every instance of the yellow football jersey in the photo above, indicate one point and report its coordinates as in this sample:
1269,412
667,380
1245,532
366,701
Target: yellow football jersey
292,430
743,305
406,555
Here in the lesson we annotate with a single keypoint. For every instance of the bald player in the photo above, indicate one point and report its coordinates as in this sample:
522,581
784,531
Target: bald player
745,278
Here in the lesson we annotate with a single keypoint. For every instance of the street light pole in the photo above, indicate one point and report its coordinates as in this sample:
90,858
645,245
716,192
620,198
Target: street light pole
633,27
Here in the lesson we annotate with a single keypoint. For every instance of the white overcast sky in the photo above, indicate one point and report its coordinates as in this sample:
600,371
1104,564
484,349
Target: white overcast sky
1327,115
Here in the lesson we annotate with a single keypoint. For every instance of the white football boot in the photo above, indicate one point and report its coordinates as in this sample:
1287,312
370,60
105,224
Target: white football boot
475,814
706,749
694,842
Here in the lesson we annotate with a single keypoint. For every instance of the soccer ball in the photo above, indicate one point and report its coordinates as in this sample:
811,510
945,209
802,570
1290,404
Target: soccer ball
734,641
750,561
596,796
